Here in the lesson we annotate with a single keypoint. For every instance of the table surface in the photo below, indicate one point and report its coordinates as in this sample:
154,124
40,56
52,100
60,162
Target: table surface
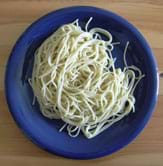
15,148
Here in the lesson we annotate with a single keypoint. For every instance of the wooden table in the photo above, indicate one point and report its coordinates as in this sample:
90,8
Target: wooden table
15,148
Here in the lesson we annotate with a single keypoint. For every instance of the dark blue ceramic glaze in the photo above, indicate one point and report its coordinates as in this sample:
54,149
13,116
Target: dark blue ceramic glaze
44,132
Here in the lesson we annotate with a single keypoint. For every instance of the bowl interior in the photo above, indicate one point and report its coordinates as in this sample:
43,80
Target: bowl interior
43,131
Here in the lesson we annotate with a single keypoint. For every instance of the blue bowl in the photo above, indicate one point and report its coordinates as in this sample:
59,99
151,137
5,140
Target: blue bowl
44,132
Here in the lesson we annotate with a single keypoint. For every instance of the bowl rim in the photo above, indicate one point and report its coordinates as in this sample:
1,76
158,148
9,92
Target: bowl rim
145,45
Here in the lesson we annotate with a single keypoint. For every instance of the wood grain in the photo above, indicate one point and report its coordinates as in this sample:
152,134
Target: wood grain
15,148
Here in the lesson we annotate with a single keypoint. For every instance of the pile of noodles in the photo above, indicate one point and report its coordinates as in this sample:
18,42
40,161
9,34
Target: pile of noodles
74,79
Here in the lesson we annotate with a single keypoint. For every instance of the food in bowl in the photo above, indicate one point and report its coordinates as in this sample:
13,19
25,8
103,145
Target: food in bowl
74,79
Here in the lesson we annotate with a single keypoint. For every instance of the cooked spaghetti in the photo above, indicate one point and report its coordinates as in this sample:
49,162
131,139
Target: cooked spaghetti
74,79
